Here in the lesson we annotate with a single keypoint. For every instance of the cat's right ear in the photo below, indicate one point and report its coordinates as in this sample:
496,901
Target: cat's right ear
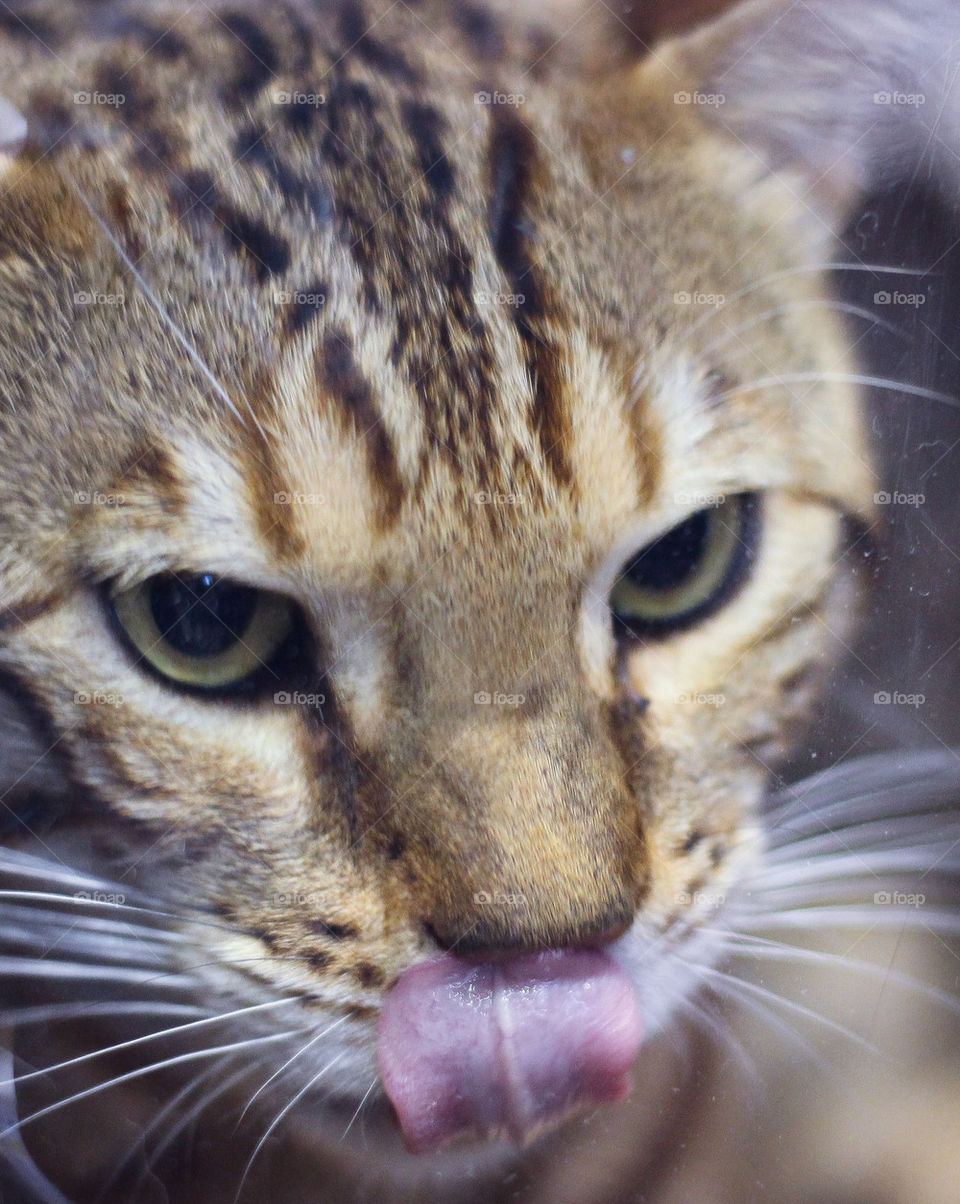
13,133
841,94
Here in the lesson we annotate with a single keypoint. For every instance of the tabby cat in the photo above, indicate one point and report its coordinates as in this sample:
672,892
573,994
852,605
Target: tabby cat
435,484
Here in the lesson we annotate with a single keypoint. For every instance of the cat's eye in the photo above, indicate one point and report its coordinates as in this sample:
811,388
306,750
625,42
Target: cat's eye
203,631
689,571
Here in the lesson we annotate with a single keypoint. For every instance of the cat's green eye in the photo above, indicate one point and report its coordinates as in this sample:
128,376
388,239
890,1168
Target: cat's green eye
203,631
689,571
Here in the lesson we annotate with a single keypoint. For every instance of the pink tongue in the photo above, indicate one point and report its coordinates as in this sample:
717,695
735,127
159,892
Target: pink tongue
505,1047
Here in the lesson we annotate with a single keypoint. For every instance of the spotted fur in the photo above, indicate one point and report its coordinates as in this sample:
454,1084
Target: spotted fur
422,364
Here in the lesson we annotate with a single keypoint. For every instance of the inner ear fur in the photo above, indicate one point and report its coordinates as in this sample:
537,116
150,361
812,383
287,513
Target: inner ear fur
842,94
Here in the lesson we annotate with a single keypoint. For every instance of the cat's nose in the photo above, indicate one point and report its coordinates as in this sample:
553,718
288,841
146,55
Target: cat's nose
491,941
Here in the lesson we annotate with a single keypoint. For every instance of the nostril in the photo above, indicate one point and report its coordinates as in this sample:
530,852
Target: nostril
611,933
480,940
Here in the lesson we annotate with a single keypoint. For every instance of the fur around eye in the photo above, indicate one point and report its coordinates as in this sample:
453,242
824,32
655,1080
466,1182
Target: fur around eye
688,572
203,631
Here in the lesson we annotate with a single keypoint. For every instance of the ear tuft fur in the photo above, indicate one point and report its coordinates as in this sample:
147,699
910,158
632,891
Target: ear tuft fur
13,131
850,93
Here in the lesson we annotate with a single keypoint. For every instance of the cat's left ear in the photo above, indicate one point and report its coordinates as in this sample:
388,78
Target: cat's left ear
13,133
843,94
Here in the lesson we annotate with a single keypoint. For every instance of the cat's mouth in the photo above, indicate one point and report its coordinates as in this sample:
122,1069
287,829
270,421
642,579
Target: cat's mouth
508,1047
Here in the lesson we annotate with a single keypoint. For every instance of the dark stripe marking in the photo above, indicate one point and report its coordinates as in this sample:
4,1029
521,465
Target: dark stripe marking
426,128
258,60
306,305
253,150
115,79
512,158
355,32
30,27
156,42
339,375
336,932
268,253
482,31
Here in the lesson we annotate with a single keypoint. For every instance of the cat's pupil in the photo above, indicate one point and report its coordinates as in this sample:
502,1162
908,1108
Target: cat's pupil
200,614
669,561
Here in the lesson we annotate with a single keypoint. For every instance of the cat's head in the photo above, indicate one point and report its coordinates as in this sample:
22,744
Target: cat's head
428,464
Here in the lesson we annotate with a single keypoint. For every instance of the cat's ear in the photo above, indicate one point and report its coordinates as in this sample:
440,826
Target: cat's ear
13,133
843,94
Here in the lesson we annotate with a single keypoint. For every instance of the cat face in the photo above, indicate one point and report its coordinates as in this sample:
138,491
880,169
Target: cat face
423,513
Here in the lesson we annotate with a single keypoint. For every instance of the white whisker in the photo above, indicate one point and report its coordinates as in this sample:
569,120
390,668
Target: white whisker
300,1052
151,1068
788,307
287,1108
158,306
788,1004
848,378
359,1109
192,1026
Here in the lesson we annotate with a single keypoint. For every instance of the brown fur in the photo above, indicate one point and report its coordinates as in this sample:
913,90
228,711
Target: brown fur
341,848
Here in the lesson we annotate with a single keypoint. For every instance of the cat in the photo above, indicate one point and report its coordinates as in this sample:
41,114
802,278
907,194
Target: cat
436,487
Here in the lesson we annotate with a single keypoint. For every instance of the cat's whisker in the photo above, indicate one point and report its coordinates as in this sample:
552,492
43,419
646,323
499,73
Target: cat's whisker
790,1005
811,802
281,1115
124,929
133,1043
161,309
300,1052
733,989
188,1118
855,863
935,826
57,970
359,1109
171,1106
816,918
849,378
744,945
81,904
56,1012
151,1068
720,1033
789,307
813,269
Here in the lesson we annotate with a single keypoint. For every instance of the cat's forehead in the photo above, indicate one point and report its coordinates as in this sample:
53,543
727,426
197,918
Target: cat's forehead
356,262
